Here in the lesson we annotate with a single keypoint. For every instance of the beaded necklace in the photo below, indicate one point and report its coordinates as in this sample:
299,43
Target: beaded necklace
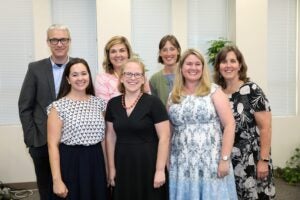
134,103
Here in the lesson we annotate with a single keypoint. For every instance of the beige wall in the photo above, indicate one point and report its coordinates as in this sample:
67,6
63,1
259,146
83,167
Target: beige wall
42,20
15,161
113,18
248,30
251,37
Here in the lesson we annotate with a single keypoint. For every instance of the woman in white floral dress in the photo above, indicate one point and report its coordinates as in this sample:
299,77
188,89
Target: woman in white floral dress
251,152
203,135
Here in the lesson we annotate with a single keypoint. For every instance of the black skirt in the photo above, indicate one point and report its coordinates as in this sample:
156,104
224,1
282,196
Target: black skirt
83,172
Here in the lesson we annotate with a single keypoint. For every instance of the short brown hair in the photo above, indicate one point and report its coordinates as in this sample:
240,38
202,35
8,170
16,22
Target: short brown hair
174,41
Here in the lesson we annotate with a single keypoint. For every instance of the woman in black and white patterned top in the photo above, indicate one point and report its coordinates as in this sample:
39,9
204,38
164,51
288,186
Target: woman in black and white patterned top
251,153
75,136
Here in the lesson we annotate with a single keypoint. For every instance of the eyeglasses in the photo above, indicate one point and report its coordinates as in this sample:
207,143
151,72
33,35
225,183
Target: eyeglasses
130,74
55,41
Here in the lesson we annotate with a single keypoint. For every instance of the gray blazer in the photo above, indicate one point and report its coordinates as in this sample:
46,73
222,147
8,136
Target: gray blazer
37,92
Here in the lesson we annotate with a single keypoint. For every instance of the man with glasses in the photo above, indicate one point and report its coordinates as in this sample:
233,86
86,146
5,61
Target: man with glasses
39,89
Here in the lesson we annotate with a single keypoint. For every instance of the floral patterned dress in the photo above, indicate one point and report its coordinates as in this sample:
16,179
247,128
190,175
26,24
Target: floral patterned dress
246,151
195,152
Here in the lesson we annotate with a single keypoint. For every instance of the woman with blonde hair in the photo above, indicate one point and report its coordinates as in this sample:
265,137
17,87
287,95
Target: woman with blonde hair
116,52
203,134
137,138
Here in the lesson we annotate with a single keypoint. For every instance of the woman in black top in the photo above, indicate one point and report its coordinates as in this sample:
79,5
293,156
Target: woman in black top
137,138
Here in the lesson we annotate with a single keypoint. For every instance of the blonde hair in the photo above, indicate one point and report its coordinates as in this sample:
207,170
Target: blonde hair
107,65
121,87
204,85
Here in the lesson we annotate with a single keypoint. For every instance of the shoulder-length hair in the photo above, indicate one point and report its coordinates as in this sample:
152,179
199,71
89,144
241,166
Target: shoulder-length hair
121,86
65,87
107,65
173,40
221,56
204,85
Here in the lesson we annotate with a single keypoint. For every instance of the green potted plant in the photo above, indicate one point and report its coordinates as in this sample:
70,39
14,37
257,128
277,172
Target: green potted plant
290,173
215,47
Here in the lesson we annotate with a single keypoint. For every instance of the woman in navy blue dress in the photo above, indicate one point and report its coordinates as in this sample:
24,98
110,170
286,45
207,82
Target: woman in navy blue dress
76,137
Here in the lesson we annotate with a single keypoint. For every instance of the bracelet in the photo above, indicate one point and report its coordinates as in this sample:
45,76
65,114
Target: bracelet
264,159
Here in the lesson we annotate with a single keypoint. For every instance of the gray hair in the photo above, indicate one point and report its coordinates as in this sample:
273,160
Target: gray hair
58,27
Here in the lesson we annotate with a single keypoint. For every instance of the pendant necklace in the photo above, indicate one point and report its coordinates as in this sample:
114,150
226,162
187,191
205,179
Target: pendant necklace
116,74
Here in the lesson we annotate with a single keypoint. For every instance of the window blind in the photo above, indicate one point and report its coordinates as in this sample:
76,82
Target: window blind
16,39
207,20
151,20
80,17
282,44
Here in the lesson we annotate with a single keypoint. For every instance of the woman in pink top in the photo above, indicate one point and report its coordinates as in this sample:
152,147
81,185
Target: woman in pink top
116,52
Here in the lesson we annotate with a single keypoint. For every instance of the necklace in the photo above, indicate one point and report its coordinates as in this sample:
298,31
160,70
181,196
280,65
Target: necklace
134,103
116,74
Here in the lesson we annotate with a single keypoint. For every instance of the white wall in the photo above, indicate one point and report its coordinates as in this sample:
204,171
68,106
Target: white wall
250,34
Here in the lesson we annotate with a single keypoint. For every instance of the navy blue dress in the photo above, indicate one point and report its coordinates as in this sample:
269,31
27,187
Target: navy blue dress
81,156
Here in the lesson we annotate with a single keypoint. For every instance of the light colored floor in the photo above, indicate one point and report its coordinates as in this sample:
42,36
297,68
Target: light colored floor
284,192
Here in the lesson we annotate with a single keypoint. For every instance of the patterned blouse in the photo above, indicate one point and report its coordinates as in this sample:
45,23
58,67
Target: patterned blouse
83,122
246,149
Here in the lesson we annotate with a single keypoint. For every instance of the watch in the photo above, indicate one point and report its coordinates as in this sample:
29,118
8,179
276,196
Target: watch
225,158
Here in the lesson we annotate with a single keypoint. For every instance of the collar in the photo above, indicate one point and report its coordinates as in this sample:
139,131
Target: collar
54,64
